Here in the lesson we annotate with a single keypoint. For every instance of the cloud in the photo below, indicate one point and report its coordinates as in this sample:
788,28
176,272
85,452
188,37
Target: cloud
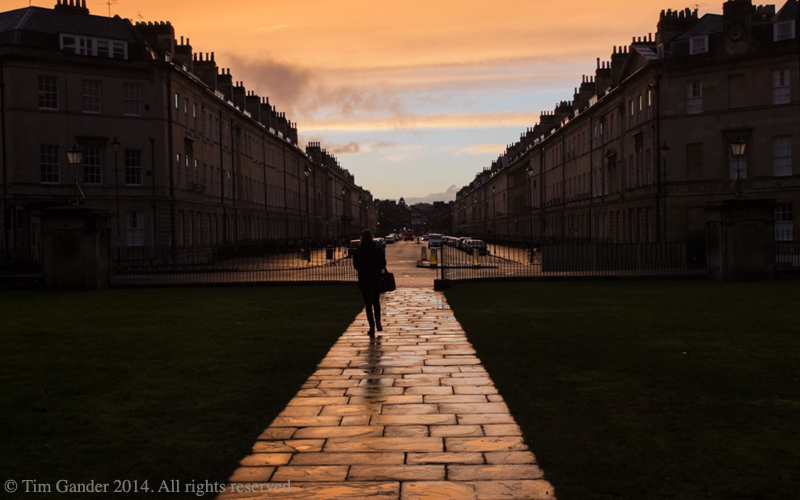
448,195
350,148
398,158
481,149
428,121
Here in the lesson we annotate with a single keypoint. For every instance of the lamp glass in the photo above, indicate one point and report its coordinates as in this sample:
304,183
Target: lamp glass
115,144
664,149
738,146
75,155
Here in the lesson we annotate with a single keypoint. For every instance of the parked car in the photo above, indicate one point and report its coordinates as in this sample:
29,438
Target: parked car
435,240
425,237
480,245
390,238
381,242
352,247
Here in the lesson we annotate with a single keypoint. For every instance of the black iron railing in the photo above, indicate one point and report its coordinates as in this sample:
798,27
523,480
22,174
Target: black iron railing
567,259
246,263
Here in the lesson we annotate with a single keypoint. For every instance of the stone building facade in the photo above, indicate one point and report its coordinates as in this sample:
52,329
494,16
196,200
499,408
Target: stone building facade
645,142
172,146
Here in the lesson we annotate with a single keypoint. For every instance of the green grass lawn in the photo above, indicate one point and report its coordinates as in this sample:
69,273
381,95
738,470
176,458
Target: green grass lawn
154,384
648,389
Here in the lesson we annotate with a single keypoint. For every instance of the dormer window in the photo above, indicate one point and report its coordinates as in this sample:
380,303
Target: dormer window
698,45
783,31
93,46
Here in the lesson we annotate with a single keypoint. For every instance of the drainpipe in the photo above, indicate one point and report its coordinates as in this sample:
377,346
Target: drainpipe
6,217
591,180
285,204
264,164
657,157
233,183
563,185
171,168
153,173
222,182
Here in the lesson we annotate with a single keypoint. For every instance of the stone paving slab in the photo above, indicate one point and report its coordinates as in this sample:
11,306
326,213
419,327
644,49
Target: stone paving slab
412,415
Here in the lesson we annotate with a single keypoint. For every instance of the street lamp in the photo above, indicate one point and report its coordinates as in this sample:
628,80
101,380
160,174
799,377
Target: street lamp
344,219
530,172
737,151
74,158
307,172
494,215
361,212
661,190
115,147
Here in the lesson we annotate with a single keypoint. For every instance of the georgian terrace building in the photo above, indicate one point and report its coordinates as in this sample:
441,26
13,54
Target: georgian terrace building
176,150
645,142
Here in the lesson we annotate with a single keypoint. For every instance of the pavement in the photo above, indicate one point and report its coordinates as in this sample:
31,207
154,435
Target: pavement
411,415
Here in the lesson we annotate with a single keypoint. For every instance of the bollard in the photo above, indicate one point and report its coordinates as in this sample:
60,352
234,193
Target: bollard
476,257
433,256
424,254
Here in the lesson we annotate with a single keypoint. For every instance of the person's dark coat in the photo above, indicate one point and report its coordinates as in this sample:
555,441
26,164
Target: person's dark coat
369,261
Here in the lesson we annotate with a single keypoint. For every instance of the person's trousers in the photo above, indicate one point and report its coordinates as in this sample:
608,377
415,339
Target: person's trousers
372,301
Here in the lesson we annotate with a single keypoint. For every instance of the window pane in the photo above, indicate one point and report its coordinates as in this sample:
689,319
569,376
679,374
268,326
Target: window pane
49,164
132,97
48,92
135,229
133,167
782,156
92,166
90,96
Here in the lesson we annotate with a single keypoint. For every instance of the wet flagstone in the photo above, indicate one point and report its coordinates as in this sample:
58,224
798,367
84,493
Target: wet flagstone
411,415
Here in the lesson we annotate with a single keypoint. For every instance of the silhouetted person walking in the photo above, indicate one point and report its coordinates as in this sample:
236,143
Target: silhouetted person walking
369,260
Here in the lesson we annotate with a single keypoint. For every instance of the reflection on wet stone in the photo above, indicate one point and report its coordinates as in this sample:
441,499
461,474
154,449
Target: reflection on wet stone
410,415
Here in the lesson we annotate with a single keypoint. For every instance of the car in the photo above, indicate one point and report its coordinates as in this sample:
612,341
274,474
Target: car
408,235
425,237
435,240
479,245
381,242
352,247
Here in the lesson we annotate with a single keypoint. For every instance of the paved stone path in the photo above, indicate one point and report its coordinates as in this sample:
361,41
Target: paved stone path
410,416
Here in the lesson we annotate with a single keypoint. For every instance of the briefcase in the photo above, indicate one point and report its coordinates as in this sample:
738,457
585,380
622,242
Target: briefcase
387,281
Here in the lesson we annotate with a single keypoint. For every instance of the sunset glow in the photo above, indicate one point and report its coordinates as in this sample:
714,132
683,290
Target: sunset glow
439,80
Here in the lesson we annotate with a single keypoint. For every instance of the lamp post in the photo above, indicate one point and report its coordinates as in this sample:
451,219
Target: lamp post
529,172
494,215
661,191
307,172
737,151
344,229
361,212
474,213
115,147
74,158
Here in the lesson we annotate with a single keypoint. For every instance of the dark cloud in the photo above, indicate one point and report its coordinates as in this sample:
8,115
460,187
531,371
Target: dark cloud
301,92
350,148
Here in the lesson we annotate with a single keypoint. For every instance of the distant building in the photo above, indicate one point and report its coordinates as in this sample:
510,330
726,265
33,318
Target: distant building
180,153
593,168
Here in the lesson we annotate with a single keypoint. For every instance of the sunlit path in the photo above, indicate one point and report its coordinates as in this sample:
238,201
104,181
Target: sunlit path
412,415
